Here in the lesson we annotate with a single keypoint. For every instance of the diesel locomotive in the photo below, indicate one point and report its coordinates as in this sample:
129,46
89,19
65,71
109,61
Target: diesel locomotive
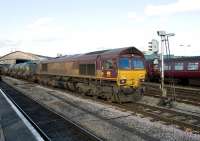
114,74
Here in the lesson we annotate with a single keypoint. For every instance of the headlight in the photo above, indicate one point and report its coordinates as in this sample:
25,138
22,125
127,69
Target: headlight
108,73
142,80
122,81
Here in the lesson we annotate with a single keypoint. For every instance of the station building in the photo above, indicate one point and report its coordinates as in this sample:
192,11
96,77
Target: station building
20,57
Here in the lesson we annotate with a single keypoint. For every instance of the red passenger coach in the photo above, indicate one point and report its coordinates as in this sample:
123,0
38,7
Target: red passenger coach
184,70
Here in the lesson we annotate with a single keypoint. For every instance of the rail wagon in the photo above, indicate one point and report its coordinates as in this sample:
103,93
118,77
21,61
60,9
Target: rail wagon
113,74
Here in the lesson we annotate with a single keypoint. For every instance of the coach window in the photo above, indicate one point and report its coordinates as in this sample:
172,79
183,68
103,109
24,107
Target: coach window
167,67
178,66
193,66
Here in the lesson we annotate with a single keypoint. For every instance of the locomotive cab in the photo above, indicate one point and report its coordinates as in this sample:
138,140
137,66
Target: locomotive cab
125,70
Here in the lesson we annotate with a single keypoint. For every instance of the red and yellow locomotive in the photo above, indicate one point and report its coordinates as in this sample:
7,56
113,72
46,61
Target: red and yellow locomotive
111,74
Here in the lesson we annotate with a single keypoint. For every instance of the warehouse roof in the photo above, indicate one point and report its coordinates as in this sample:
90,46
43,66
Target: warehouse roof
29,54
19,57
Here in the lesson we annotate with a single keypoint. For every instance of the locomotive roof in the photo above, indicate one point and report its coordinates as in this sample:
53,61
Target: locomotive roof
120,51
92,55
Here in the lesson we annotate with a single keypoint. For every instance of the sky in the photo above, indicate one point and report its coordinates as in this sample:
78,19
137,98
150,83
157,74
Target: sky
51,27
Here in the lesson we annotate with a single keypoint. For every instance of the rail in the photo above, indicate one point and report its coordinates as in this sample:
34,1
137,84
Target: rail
187,95
50,125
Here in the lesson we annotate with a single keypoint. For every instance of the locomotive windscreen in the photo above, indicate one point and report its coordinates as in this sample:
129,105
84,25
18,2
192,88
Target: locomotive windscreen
133,63
124,63
137,63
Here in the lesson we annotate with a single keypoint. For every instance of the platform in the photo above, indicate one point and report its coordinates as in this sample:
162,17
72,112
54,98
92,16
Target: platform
13,125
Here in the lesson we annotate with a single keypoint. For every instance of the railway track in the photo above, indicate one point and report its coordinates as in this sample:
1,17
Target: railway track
181,94
186,121
50,125
183,120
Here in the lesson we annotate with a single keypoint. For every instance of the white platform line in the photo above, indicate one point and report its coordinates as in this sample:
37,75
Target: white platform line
26,122
2,138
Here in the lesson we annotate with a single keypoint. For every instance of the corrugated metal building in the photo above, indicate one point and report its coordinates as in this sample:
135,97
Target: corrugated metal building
20,57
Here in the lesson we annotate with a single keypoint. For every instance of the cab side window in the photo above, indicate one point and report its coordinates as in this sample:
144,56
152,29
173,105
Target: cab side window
108,64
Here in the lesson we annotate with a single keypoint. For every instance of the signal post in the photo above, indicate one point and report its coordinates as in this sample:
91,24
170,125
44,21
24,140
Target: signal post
164,45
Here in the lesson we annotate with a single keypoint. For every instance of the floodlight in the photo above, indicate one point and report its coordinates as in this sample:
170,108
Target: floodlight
161,33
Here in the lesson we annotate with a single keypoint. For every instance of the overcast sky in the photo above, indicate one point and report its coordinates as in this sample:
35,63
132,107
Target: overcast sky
48,27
